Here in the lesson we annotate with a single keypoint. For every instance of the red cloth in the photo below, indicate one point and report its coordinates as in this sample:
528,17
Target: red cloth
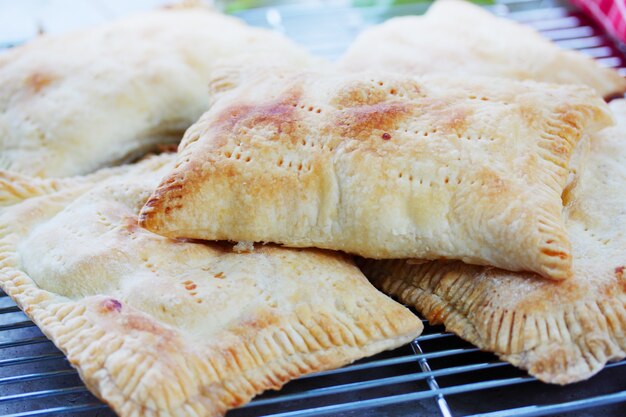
611,14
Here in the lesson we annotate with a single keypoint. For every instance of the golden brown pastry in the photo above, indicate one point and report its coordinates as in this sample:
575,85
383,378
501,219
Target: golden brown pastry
561,332
456,37
160,327
73,103
384,166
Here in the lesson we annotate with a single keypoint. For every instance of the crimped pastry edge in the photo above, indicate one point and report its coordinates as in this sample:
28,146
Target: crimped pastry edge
64,322
559,348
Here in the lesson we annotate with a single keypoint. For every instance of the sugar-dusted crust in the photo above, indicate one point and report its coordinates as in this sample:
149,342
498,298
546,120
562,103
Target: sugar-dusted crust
458,38
73,103
384,166
159,327
560,332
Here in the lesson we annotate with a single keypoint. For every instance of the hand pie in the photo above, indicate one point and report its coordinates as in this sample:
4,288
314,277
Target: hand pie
561,332
15,187
458,38
159,327
73,103
383,166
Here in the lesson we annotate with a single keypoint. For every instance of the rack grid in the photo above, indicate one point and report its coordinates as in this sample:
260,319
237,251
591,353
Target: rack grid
438,374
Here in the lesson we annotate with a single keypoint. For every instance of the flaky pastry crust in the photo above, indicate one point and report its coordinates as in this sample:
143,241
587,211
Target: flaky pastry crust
561,332
458,38
161,327
73,103
383,166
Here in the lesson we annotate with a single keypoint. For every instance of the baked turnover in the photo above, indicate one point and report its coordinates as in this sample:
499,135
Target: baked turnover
383,166
162,327
561,332
70,104
458,38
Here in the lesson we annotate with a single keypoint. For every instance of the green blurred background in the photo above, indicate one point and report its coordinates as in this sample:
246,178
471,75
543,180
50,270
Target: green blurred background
232,6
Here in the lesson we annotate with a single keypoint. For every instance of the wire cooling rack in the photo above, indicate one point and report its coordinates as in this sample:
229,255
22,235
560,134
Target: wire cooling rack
438,374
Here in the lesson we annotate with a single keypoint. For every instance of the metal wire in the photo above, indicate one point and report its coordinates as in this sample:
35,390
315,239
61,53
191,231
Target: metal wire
33,377
432,375
533,410
69,410
432,382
